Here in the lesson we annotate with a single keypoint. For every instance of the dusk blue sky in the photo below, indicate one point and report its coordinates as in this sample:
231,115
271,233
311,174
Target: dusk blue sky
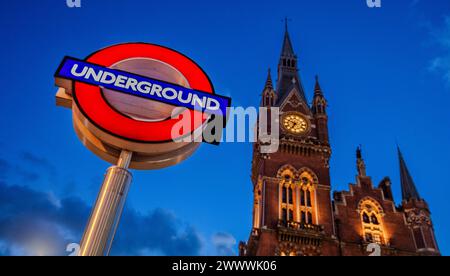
385,73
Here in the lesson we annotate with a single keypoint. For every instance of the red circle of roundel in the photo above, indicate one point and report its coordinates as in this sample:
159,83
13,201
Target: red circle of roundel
92,104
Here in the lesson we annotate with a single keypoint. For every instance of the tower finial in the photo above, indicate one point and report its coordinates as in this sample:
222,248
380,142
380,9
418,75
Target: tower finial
360,164
287,50
269,80
317,88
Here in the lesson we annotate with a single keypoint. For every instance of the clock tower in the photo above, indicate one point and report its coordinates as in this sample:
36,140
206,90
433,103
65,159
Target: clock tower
292,212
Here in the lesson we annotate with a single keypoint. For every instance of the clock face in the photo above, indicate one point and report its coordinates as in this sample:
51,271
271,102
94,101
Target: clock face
295,124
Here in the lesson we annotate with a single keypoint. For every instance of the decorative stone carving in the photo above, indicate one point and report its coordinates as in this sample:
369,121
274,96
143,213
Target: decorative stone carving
417,218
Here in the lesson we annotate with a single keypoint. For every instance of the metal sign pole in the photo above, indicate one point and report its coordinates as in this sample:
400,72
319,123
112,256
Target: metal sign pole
101,228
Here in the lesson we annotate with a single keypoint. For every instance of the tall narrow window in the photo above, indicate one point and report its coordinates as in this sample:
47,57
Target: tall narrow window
296,196
302,197
291,215
284,194
308,198
309,217
418,237
290,195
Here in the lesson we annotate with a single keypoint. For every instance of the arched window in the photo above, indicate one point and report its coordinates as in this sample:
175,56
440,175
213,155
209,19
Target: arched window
306,207
296,196
287,196
366,218
371,214
374,219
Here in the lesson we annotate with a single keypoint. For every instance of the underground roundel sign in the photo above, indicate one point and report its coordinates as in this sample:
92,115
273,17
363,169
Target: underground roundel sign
135,97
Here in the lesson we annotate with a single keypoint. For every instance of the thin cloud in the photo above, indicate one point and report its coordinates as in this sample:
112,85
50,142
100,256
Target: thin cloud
37,161
441,64
224,243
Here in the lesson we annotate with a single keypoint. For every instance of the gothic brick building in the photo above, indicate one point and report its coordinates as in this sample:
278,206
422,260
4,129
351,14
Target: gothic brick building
294,212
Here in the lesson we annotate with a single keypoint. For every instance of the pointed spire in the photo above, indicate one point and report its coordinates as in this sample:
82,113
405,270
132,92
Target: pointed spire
409,190
287,70
287,50
319,104
269,83
268,96
317,89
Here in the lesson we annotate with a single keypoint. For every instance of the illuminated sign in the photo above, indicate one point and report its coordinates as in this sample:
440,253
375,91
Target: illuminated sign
133,105
141,86
126,96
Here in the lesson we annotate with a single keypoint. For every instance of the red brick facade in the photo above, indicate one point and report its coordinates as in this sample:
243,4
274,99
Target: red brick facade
294,212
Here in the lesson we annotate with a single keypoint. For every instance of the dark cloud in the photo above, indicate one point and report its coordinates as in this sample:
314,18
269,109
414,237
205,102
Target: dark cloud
36,223
33,222
156,233
38,162
24,172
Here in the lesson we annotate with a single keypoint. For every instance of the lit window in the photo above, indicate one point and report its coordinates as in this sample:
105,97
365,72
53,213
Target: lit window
291,215
296,197
308,198
366,218
371,222
284,214
309,217
374,219
304,217
290,196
